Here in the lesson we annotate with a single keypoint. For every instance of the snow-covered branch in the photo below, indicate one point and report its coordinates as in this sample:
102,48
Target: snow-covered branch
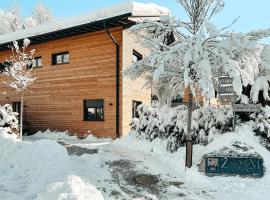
196,51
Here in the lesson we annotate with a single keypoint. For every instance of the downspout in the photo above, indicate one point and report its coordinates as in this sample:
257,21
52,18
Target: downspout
117,63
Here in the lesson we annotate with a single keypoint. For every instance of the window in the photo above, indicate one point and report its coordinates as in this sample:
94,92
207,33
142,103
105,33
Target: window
36,62
94,110
178,100
60,58
136,56
16,106
135,105
4,66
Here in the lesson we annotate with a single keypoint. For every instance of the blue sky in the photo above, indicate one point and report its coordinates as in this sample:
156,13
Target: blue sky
254,14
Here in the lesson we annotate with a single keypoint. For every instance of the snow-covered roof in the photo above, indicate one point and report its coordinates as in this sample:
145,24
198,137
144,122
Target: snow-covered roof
134,9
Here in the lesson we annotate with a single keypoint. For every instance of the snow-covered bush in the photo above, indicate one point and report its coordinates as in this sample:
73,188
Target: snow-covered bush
8,119
261,126
171,124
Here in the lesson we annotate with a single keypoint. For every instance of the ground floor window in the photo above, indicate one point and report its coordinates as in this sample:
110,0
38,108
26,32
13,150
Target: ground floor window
135,105
16,106
94,110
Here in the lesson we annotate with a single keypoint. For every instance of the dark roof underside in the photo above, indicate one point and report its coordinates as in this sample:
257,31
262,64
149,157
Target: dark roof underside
121,20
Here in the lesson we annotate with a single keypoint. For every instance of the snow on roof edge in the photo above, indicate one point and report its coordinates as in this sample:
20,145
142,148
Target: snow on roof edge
134,8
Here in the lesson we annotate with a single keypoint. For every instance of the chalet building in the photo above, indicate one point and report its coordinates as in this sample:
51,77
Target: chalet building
78,64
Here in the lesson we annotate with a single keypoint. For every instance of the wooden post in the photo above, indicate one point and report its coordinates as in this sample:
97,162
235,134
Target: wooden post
189,147
21,117
234,118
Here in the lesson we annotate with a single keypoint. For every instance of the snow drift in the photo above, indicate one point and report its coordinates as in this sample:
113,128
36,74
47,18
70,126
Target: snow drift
33,165
27,169
72,188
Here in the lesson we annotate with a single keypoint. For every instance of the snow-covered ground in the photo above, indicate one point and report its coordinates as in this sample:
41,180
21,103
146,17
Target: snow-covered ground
42,169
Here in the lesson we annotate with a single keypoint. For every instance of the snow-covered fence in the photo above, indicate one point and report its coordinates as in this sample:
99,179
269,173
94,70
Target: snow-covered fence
8,119
171,124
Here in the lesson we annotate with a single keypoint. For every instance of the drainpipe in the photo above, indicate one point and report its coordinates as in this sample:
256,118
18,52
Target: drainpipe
117,63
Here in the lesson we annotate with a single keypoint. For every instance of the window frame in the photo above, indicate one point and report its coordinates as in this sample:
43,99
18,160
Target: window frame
4,65
35,59
16,107
138,56
54,58
85,111
134,112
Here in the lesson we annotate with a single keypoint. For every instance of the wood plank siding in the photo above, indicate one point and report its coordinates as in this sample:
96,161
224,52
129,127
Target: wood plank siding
59,90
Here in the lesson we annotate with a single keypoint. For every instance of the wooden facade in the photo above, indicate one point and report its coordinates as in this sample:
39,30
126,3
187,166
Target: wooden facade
60,90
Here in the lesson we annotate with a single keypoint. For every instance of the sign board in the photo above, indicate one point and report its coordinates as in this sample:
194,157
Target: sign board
225,80
225,89
247,107
227,97
229,165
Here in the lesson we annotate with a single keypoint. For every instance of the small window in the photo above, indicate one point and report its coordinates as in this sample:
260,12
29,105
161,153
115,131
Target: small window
36,62
16,106
135,105
60,58
94,110
178,100
4,66
136,56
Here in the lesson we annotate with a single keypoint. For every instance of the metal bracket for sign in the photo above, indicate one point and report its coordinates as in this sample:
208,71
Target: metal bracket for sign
244,108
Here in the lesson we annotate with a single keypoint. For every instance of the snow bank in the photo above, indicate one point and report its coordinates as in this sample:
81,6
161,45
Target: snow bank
135,9
66,136
27,168
53,135
72,188
160,161
243,134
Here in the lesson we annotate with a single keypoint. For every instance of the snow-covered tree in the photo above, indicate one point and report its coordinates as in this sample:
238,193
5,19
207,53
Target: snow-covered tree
18,73
189,54
42,14
11,20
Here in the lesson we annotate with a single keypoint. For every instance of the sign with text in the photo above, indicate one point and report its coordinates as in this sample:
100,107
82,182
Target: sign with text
225,89
227,99
247,107
225,80
228,165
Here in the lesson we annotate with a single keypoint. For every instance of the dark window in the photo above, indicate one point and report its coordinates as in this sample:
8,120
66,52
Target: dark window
136,56
178,98
94,110
60,58
16,106
4,66
177,101
36,62
135,105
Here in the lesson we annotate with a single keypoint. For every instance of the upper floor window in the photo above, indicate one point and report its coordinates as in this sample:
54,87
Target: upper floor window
94,110
60,58
36,62
136,56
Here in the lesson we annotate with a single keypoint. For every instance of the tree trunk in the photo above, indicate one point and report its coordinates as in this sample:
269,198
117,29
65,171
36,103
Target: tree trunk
189,136
21,117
